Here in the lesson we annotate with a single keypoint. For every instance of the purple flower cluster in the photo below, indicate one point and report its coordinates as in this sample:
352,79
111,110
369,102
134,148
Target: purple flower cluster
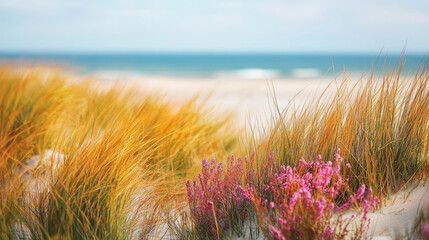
217,200
302,201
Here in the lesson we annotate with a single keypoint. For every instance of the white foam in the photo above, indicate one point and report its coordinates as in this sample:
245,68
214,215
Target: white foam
306,72
116,75
249,73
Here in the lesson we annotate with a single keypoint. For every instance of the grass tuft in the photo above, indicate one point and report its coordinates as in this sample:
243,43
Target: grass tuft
380,122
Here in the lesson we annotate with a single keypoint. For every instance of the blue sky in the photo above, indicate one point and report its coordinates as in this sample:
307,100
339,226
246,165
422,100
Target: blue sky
214,26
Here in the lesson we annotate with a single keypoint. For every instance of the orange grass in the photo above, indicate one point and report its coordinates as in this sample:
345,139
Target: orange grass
124,155
380,123
29,105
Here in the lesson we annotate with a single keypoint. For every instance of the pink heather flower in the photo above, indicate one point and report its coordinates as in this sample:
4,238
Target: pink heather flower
344,207
277,233
328,233
307,195
337,153
360,192
337,169
320,206
244,192
219,168
375,201
307,177
281,221
289,171
282,168
213,163
189,188
366,207
351,199
332,192
314,187
223,191
302,162
205,169
426,231
293,200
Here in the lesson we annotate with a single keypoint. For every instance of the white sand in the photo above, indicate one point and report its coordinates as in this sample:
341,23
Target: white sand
397,214
400,212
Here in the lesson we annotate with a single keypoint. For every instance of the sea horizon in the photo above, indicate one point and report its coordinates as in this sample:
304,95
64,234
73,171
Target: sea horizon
247,65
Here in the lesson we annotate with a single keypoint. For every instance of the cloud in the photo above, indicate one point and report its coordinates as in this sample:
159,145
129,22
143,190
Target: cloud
271,25
374,15
297,12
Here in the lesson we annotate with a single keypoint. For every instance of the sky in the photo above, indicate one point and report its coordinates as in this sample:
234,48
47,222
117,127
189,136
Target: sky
307,26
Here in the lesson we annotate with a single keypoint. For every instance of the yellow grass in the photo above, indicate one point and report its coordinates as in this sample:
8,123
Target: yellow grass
380,123
124,154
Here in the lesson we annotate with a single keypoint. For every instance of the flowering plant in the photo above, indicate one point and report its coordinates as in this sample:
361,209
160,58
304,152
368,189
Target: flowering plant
219,202
300,202
304,202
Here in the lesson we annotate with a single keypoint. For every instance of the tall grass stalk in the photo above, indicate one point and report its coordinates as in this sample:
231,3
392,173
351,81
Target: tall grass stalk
120,155
381,123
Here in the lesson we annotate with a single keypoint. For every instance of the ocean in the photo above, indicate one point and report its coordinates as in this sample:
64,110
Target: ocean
205,65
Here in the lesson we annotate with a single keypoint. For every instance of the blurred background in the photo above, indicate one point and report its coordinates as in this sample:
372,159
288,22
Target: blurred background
214,39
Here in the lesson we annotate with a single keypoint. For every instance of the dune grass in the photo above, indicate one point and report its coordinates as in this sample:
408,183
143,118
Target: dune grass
30,105
90,195
117,152
380,123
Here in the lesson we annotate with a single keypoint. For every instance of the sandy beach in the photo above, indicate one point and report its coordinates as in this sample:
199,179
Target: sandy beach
248,99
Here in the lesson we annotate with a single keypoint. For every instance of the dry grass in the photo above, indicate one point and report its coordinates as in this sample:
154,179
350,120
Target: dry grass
29,107
120,156
380,123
